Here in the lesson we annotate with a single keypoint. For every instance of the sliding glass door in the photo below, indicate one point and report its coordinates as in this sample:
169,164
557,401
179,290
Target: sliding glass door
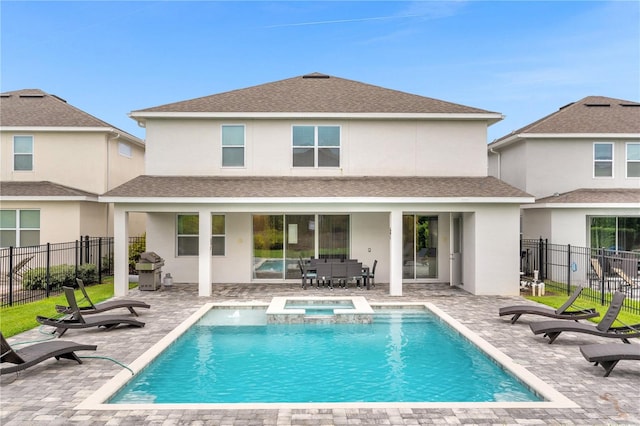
279,241
420,246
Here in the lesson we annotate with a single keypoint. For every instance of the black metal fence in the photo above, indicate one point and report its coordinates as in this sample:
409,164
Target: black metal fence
36,272
599,270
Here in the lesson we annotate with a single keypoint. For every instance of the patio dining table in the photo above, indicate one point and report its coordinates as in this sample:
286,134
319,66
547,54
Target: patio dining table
311,266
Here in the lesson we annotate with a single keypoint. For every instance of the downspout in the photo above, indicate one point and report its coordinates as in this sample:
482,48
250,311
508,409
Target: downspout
491,150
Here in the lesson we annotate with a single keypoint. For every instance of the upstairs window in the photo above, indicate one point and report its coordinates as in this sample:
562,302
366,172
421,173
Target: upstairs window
316,146
19,228
602,160
23,153
233,146
633,160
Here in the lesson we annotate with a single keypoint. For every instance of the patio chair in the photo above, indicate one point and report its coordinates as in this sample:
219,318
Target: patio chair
608,355
629,283
306,275
562,312
323,273
553,329
339,273
35,354
130,304
77,320
20,268
371,278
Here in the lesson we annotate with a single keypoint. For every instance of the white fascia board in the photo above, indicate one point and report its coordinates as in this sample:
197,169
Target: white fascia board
49,198
63,129
493,117
319,200
583,206
580,135
600,136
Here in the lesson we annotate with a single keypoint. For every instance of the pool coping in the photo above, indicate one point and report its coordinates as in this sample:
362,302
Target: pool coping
553,398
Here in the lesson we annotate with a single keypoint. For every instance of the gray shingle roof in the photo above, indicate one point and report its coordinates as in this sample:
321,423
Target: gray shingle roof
40,189
322,187
595,196
36,108
593,114
315,93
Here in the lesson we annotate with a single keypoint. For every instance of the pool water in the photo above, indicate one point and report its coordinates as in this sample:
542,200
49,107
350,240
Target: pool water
403,356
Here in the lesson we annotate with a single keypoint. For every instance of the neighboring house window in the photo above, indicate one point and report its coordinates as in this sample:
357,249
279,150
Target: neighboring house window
316,146
218,235
615,232
23,153
602,160
233,146
188,229
124,149
633,160
19,228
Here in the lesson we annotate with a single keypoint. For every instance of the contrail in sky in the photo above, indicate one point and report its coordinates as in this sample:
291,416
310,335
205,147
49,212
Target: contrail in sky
340,21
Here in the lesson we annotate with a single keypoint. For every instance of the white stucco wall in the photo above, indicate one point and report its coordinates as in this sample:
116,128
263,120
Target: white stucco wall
543,167
420,148
496,241
62,222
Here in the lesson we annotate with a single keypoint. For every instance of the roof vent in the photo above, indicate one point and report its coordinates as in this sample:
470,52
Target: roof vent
315,75
630,105
598,105
32,95
567,105
5,95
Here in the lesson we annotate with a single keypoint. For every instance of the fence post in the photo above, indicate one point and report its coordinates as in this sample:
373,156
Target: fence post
48,285
99,259
568,269
10,275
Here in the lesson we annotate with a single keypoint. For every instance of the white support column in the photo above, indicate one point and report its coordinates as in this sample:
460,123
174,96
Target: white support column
395,257
204,260
120,252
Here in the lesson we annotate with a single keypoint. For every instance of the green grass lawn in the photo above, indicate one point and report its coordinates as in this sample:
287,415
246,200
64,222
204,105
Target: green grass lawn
557,300
19,318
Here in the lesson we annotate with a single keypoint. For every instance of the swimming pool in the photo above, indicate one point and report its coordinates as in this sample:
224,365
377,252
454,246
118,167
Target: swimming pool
335,343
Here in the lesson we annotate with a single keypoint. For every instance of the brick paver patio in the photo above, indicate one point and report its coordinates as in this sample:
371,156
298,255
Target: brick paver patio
48,393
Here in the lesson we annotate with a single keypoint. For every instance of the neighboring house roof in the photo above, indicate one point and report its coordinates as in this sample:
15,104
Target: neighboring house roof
629,196
44,189
595,115
35,108
315,93
313,187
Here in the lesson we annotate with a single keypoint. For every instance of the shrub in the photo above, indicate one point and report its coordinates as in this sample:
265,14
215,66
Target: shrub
88,273
135,248
59,275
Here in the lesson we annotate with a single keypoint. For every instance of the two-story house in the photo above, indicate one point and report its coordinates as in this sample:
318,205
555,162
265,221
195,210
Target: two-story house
240,185
55,161
582,163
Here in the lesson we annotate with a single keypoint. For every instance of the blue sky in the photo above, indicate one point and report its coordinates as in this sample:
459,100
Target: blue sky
520,58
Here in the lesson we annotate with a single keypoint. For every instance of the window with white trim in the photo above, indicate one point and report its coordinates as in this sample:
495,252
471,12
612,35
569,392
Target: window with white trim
233,143
316,146
188,230
124,149
218,235
23,153
602,159
19,228
633,160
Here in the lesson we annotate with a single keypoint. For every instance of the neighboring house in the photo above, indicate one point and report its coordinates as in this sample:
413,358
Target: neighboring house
582,163
55,162
240,185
